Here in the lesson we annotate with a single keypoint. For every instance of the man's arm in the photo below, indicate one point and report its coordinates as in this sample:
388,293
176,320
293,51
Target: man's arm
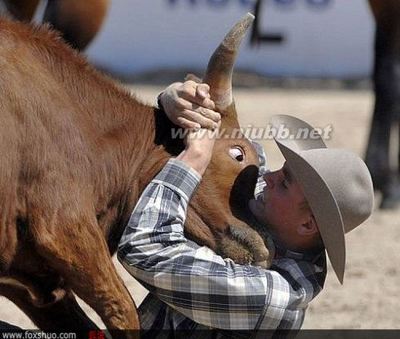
194,280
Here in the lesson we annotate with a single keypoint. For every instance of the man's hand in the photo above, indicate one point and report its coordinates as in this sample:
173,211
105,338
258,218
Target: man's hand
199,148
189,105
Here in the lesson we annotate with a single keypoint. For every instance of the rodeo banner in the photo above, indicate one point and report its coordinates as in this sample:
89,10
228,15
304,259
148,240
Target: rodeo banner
322,38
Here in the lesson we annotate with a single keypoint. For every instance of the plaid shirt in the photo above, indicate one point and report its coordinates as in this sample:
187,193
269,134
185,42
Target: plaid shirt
193,288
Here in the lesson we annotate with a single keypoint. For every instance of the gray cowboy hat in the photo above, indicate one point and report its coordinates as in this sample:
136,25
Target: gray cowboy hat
336,184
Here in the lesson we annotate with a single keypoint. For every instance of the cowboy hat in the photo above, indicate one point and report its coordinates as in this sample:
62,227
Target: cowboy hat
336,184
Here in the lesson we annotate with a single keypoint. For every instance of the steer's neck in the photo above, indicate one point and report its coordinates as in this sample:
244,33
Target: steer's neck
125,139
133,143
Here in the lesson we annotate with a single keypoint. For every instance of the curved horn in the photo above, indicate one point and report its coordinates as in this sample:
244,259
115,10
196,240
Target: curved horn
220,67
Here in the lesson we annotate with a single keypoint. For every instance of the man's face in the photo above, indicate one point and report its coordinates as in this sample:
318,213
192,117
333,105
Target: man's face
281,206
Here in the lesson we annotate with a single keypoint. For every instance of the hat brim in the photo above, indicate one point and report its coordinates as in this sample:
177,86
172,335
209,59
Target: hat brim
316,191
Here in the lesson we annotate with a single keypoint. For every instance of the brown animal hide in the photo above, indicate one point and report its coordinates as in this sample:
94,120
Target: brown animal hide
77,150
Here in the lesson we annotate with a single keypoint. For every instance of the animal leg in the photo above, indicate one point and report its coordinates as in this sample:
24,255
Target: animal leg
387,101
63,314
22,9
78,251
77,20
377,156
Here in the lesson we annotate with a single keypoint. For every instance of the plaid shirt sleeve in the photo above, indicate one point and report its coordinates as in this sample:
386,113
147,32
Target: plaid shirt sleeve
196,282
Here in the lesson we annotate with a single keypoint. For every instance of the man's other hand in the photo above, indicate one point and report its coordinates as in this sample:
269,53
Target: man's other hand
189,105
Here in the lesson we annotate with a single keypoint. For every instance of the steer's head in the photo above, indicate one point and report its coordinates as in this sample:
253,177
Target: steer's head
218,215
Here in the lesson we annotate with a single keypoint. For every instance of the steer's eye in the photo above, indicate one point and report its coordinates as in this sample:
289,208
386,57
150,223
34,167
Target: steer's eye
237,153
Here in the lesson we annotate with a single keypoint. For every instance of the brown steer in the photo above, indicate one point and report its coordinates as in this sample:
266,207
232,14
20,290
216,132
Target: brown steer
76,151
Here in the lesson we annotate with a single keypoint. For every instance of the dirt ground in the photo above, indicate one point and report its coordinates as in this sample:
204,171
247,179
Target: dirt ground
370,295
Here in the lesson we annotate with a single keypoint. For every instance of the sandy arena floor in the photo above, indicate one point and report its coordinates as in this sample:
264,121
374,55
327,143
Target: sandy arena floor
369,298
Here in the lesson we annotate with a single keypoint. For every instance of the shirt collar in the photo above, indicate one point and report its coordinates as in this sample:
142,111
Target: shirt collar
281,252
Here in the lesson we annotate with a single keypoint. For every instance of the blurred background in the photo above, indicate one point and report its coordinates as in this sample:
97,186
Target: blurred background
309,58
308,38
319,38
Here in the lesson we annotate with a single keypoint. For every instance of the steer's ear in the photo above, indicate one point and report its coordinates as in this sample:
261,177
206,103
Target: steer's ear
220,68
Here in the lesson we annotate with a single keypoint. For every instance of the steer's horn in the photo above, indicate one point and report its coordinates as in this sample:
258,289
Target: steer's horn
220,67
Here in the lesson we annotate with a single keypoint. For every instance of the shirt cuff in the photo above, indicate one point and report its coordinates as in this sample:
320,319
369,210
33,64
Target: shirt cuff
179,177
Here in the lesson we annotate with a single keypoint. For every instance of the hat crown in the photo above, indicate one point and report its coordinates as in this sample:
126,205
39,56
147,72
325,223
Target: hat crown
349,181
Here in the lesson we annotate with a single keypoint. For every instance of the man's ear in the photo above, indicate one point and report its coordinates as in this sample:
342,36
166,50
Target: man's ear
308,227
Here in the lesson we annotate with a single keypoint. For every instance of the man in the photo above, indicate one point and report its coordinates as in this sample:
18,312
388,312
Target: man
308,205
